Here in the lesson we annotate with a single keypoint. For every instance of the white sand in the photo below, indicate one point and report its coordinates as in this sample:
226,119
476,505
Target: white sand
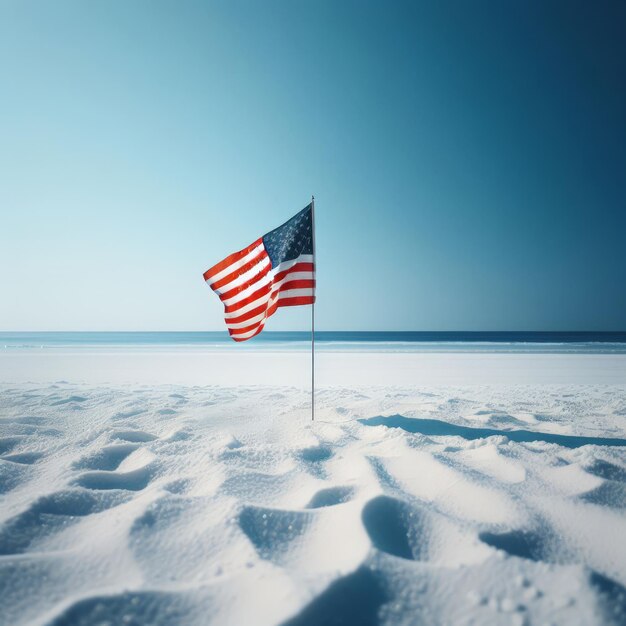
228,367
162,487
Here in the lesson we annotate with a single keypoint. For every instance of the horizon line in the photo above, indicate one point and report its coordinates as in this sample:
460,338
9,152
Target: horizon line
308,331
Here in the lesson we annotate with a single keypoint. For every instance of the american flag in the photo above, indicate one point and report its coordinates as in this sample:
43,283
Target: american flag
276,270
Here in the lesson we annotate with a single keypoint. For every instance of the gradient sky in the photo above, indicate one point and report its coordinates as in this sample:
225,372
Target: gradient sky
468,160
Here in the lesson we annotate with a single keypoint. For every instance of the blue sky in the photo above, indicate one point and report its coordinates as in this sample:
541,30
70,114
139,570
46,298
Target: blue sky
468,160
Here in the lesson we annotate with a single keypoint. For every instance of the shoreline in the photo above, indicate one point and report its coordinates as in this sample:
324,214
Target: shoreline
292,368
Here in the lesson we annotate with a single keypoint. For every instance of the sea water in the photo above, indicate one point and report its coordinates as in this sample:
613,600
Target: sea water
391,341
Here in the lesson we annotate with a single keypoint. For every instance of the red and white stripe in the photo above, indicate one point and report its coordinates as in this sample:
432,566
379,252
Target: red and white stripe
251,290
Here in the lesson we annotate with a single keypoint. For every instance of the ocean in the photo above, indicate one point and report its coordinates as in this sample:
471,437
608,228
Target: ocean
414,341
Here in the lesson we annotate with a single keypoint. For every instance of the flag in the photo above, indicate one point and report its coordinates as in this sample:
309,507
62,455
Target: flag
276,270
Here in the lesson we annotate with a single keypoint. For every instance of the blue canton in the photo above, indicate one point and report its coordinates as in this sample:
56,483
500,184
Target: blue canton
293,238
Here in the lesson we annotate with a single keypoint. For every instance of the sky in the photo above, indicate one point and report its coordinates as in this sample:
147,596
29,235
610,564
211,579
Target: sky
468,160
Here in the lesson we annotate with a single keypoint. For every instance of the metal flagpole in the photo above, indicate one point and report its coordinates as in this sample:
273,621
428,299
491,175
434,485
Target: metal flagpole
313,317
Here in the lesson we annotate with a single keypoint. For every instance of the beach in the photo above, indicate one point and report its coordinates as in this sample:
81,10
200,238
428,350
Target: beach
179,484
311,313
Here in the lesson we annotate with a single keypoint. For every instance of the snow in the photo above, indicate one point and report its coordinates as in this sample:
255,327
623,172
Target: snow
191,487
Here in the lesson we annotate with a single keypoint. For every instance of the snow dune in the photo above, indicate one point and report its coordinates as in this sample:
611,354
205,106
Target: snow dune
153,503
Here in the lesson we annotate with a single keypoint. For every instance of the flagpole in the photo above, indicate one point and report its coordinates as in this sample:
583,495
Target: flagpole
313,318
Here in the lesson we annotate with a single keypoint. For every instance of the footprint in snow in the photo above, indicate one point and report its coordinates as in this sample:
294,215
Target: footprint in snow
352,599
542,544
396,528
8,443
131,607
133,436
50,514
272,531
315,454
331,496
134,480
23,458
608,471
315,457
123,415
108,458
610,493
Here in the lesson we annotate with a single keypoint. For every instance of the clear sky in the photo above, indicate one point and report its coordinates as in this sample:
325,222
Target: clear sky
468,160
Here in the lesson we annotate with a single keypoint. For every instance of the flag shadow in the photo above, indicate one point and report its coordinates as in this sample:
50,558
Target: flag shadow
432,427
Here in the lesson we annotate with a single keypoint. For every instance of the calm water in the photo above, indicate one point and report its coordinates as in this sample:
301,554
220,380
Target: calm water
592,342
